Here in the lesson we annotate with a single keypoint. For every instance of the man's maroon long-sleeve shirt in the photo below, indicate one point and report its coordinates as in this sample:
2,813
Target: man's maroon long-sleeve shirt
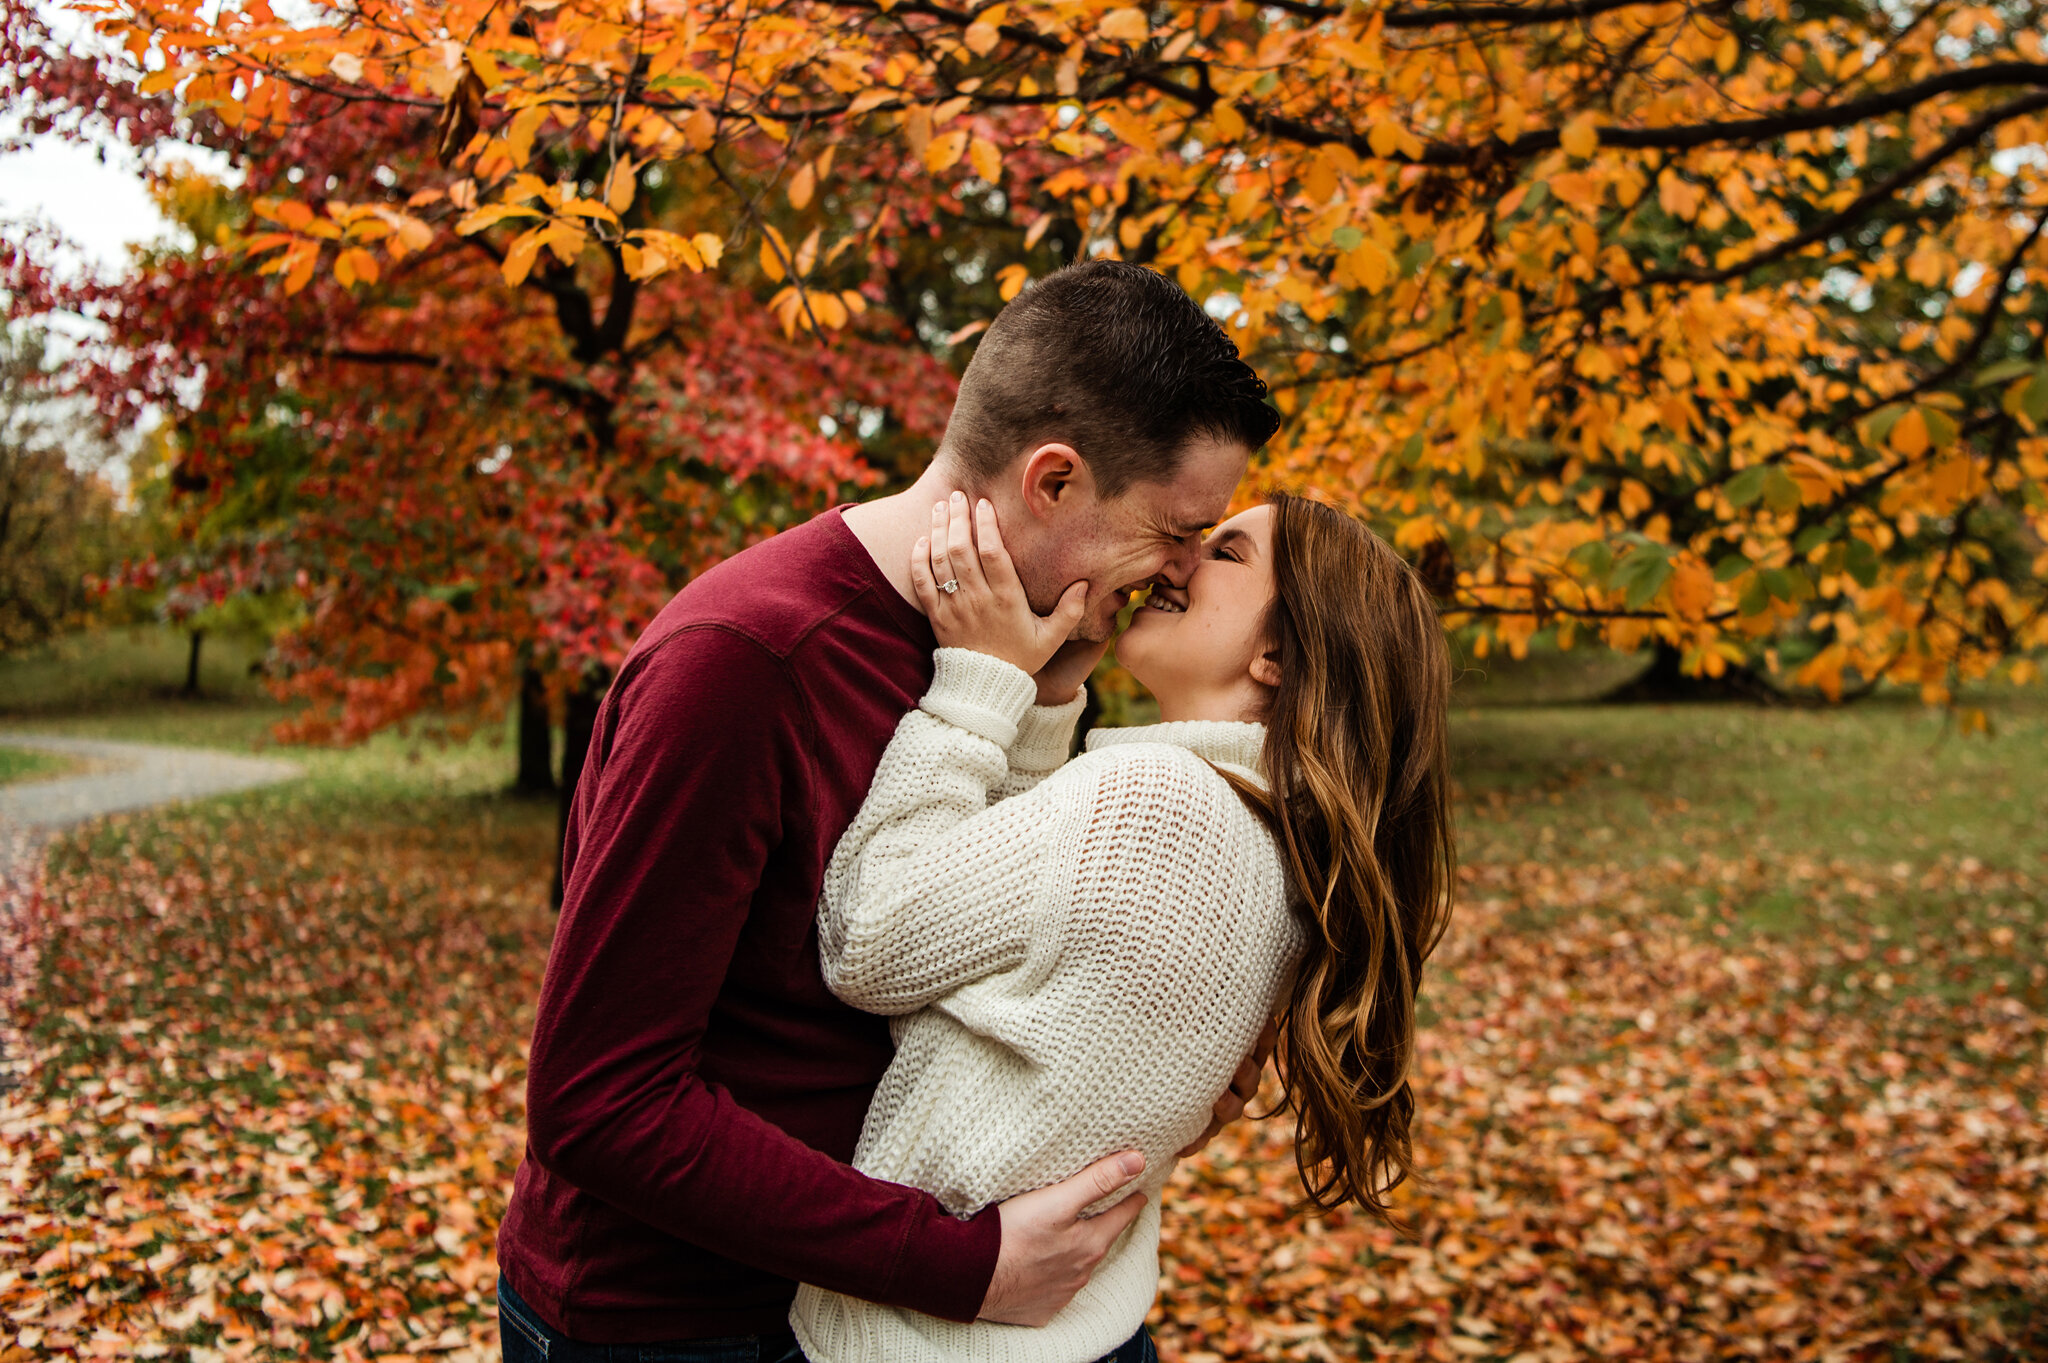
695,1090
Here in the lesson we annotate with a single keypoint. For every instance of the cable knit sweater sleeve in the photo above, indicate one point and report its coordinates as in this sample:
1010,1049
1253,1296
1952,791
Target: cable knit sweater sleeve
887,941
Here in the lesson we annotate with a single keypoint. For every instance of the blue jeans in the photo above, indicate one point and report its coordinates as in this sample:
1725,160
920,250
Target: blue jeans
526,1338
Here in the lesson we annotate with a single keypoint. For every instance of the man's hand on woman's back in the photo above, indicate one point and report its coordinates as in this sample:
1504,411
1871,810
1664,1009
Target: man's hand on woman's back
1049,1252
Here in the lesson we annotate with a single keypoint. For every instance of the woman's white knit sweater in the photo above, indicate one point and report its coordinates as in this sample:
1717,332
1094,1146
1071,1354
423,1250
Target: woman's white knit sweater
1078,957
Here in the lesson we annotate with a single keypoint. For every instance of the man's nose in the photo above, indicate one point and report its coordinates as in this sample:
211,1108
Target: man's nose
1180,564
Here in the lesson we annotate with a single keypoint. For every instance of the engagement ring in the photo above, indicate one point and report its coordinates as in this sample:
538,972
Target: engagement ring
950,585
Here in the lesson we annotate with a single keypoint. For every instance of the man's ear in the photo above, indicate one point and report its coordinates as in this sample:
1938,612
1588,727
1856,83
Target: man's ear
1265,668
1053,475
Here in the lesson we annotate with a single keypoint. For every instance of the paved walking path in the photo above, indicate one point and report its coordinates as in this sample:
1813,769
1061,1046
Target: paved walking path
120,777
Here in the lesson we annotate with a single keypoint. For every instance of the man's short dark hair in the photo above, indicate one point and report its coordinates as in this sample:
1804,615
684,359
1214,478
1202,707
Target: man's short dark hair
1115,360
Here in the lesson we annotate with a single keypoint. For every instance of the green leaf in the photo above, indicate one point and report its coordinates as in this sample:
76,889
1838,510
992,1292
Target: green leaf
1811,538
2034,400
1414,256
1756,599
1882,421
1746,486
1642,574
2003,370
1347,238
1411,453
1941,427
1860,561
1594,556
1730,568
1781,493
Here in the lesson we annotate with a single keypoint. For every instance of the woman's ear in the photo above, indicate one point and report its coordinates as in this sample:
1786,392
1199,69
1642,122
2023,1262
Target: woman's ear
1265,668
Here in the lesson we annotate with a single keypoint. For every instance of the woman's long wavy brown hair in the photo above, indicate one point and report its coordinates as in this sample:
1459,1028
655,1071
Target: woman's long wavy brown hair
1359,803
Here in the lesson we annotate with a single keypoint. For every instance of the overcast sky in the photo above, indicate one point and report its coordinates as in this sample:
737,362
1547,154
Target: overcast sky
95,196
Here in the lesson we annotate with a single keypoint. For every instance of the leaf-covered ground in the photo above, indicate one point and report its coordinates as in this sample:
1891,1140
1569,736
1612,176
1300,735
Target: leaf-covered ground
1724,1081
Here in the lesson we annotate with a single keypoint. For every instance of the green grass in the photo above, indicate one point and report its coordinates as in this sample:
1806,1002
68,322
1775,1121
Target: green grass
127,684
1883,780
25,764
116,668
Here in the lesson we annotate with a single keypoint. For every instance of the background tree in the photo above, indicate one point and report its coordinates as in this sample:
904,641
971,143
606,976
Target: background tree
57,520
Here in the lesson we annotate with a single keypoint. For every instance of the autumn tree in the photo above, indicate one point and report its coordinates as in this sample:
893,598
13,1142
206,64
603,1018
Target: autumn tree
469,481
1709,324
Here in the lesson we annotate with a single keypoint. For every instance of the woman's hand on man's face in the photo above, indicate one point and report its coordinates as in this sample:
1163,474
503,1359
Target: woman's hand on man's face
986,610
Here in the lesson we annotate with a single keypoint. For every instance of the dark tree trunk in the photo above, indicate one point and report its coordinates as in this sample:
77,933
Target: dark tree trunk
578,722
192,663
536,761
1665,682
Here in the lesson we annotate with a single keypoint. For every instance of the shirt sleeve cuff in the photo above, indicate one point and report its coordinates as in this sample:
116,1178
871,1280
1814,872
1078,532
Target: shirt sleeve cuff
949,1269
1046,735
983,695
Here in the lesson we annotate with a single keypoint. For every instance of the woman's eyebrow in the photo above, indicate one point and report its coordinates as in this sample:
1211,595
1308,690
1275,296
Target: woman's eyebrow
1232,536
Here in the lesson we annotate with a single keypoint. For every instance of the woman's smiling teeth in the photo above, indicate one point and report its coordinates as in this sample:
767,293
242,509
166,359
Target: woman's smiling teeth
1163,599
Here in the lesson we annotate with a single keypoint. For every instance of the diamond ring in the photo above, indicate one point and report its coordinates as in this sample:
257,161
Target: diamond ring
950,585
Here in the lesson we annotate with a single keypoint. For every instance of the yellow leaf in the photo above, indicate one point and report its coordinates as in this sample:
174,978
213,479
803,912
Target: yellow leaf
490,215
807,254
1125,25
1510,120
700,129
945,149
775,130
520,134
486,68
869,99
801,186
917,129
301,272
619,186
1726,52
855,304
519,259
771,261
1909,434
1036,230
1580,136
1383,138
986,159
346,65
635,261
360,265
985,32
829,310
709,247
1369,265
1010,281
1226,122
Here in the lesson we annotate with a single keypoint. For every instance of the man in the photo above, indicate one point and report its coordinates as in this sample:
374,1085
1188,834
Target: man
694,1090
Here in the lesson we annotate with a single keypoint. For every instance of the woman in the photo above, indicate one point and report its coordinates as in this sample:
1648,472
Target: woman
1079,955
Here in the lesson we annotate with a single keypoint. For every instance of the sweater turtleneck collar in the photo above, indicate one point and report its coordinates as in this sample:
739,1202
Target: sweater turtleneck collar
1224,742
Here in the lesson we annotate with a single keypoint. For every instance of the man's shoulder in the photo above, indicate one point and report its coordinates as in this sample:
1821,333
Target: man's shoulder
775,594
